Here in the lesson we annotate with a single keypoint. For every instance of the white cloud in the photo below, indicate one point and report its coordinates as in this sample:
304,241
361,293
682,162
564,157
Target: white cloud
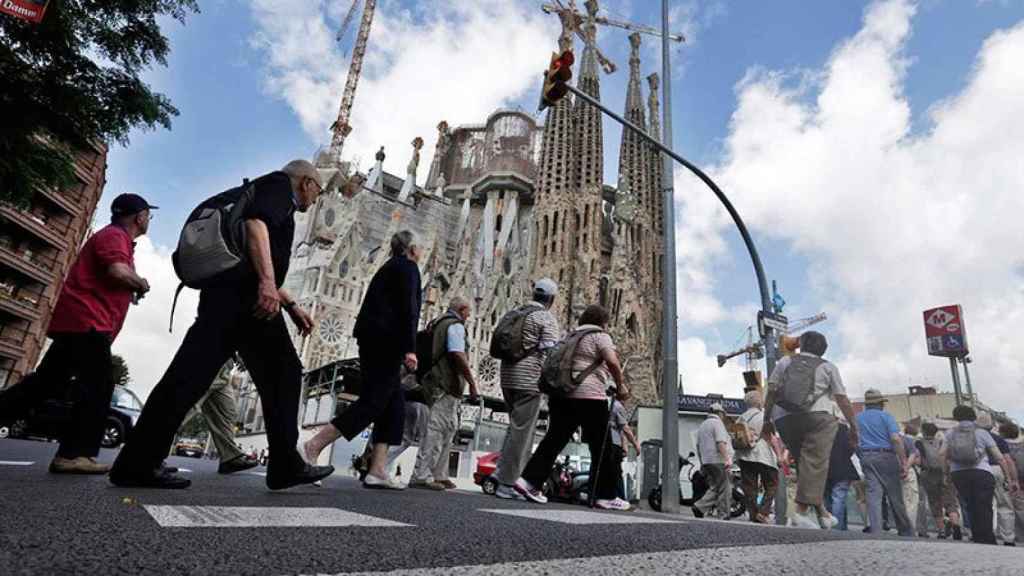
144,341
891,221
454,61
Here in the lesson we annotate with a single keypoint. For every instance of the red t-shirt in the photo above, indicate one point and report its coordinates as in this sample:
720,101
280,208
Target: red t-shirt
90,299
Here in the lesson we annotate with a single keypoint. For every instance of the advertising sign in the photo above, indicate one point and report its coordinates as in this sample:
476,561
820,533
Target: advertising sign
31,10
945,332
692,403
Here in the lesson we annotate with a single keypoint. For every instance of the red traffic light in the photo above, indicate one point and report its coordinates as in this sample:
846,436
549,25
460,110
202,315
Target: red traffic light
559,72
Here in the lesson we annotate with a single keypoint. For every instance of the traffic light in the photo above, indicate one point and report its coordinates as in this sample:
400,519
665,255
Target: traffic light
556,79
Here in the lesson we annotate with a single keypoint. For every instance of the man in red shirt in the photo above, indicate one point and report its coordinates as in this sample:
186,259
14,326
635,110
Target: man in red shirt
89,313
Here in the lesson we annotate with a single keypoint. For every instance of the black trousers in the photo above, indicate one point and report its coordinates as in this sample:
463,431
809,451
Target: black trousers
84,357
224,324
381,400
976,488
565,416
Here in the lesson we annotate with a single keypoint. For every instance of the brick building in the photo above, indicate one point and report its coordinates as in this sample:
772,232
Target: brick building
38,244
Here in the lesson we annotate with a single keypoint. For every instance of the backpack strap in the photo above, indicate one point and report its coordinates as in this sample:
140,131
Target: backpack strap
174,304
579,378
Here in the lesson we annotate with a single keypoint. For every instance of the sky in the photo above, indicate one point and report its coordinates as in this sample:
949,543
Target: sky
873,149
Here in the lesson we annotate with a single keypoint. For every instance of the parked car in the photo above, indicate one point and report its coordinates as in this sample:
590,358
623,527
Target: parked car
484,475
188,449
49,419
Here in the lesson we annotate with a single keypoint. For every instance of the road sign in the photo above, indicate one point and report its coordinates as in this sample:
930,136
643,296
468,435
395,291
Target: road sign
944,331
31,10
774,321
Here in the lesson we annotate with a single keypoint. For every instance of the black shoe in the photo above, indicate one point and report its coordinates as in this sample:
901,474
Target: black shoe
1009,544
163,468
697,513
165,481
305,475
237,464
958,534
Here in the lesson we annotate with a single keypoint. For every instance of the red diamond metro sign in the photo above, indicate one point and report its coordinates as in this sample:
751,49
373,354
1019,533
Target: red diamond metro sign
944,331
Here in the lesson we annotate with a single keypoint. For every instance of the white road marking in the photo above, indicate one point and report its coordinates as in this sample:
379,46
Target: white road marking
255,473
581,516
15,463
186,470
839,558
261,517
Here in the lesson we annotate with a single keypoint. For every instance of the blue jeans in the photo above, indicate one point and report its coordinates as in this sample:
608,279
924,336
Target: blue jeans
838,503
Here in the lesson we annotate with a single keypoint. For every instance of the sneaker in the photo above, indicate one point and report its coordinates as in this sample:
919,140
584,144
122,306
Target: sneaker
507,493
827,522
616,504
378,483
80,465
804,520
529,492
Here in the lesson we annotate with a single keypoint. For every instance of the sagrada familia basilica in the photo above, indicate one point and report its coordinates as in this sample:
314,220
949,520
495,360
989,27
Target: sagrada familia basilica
504,203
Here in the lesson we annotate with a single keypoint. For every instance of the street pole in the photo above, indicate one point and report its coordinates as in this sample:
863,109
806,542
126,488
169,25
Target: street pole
762,282
967,376
670,368
956,380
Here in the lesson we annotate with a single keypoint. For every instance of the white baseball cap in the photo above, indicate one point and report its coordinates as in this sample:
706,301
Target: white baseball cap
546,286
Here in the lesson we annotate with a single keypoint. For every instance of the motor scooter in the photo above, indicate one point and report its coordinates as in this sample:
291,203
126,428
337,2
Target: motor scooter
566,484
699,483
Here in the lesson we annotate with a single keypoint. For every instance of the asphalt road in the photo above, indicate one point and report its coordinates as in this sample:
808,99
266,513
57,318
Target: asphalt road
234,525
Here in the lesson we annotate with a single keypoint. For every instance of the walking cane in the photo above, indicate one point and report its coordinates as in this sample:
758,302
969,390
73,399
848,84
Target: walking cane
591,497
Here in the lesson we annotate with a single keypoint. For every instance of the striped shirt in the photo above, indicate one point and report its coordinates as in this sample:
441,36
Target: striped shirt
540,333
591,348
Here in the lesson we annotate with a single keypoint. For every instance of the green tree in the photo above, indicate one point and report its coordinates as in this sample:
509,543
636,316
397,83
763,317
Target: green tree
73,79
195,427
119,369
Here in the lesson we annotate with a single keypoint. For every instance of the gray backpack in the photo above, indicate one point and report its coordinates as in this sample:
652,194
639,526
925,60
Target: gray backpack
507,341
212,245
556,378
796,390
962,446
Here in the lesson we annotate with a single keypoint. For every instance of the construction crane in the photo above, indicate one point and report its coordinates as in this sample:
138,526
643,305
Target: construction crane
341,126
592,8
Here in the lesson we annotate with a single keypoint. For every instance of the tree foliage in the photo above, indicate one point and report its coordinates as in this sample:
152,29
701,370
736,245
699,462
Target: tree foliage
73,79
119,369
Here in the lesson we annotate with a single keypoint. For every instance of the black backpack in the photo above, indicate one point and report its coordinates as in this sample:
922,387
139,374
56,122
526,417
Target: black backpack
427,357
507,341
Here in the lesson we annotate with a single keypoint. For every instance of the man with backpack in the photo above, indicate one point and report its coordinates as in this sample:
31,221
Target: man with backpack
936,484
575,376
448,373
968,450
89,314
521,341
239,311
758,464
1015,441
801,391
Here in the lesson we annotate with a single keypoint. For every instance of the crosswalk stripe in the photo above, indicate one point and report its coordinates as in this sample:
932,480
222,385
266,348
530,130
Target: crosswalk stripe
261,517
578,517
15,463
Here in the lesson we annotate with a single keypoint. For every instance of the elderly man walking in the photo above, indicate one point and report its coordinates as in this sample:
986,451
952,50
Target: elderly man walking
801,391
714,447
519,374
1003,480
240,313
386,333
884,461
88,316
448,376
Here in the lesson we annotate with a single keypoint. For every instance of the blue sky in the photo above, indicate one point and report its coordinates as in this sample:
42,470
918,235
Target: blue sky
242,115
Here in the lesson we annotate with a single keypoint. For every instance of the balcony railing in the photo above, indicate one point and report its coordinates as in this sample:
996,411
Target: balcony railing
38,270
43,230
12,342
63,201
25,306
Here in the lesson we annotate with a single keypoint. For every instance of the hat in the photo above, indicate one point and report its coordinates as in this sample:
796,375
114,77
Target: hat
873,396
716,407
128,204
546,286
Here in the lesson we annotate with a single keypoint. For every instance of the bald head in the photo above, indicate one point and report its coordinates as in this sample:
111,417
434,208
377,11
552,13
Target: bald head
306,182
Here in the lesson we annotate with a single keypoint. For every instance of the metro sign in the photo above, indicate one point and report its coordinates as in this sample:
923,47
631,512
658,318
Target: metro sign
31,10
944,331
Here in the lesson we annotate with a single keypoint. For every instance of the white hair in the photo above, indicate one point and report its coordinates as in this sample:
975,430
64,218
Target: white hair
402,243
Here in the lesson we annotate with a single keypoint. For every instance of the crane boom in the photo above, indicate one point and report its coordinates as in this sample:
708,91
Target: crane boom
341,126
557,7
